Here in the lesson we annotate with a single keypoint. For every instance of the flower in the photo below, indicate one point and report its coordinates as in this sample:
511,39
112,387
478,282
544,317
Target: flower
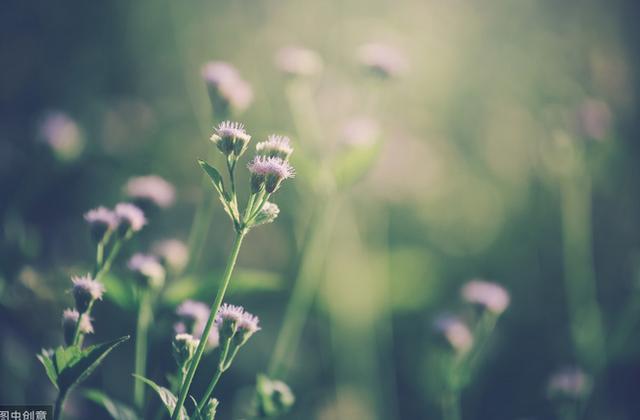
227,319
184,347
269,172
101,220
246,327
226,88
85,291
569,382
455,332
360,131
70,320
230,137
130,217
298,61
194,316
149,270
382,59
172,253
62,134
151,188
490,296
275,146
267,214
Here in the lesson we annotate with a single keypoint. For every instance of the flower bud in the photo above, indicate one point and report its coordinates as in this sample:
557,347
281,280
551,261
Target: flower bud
274,397
70,320
148,270
85,290
247,326
275,146
101,220
184,347
227,320
486,295
455,332
211,408
570,383
267,214
130,217
270,172
151,190
227,90
231,138
172,253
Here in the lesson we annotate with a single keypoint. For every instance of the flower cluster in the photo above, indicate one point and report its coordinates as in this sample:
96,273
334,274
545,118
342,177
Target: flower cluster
231,138
227,90
235,323
148,270
193,316
125,219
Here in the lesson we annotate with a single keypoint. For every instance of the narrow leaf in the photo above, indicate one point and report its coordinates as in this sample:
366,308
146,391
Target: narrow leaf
214,175
116,409
46,361
80,368
166,396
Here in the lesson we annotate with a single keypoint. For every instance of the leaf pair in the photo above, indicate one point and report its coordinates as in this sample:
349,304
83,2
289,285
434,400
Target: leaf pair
169,400
67,367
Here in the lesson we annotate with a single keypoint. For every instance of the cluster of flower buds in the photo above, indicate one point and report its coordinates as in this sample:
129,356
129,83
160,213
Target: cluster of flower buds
268,169
228,92
184,347
148,270
77,322
235,324
125,219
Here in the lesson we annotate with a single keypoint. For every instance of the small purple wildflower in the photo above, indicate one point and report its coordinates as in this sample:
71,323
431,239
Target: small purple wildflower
151,188
148,268
489,295
130,217
85,291
226,87
275,146
456,332
70,320
62,134
101,220
173,253
383,59
269,172
298,61
569,382
231,137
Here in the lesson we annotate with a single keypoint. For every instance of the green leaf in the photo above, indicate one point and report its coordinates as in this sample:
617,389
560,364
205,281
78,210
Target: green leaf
46,361
353,164
200,286
82,364
64,356
166,396
214,175
116,409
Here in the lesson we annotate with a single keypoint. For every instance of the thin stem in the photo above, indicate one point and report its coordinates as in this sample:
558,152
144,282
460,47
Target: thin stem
209,391
451,406
233,257
142,329
59,405
77,336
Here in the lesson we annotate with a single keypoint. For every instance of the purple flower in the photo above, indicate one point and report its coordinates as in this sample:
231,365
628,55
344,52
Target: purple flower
130,217
70,320
226,88
230,137
269,172
234,322
383,59
194,316
85,291
298,61
173,253
275,146
101,220
488,295
151,188
456,332
62,134
149,270
569,382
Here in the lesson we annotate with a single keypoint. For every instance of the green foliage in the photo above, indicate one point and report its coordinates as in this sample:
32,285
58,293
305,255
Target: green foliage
116,409
67,367
166,396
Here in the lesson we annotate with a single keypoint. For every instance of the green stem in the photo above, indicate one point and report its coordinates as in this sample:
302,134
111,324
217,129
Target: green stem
233,257
145,315
59,405
451,406
77,336
209,391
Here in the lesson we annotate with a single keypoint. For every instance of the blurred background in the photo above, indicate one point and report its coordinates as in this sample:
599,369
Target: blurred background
436,142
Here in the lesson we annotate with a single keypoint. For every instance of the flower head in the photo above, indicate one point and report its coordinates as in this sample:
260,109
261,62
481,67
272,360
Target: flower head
269,172
70,320
382,59
130,217
172,253
152,189
298,61
569,383
148,269
62,134
456,333
85,291
267,214
184,347
231,138
193,318
275,146
490,296
247,326
101,220
226,88
228,318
